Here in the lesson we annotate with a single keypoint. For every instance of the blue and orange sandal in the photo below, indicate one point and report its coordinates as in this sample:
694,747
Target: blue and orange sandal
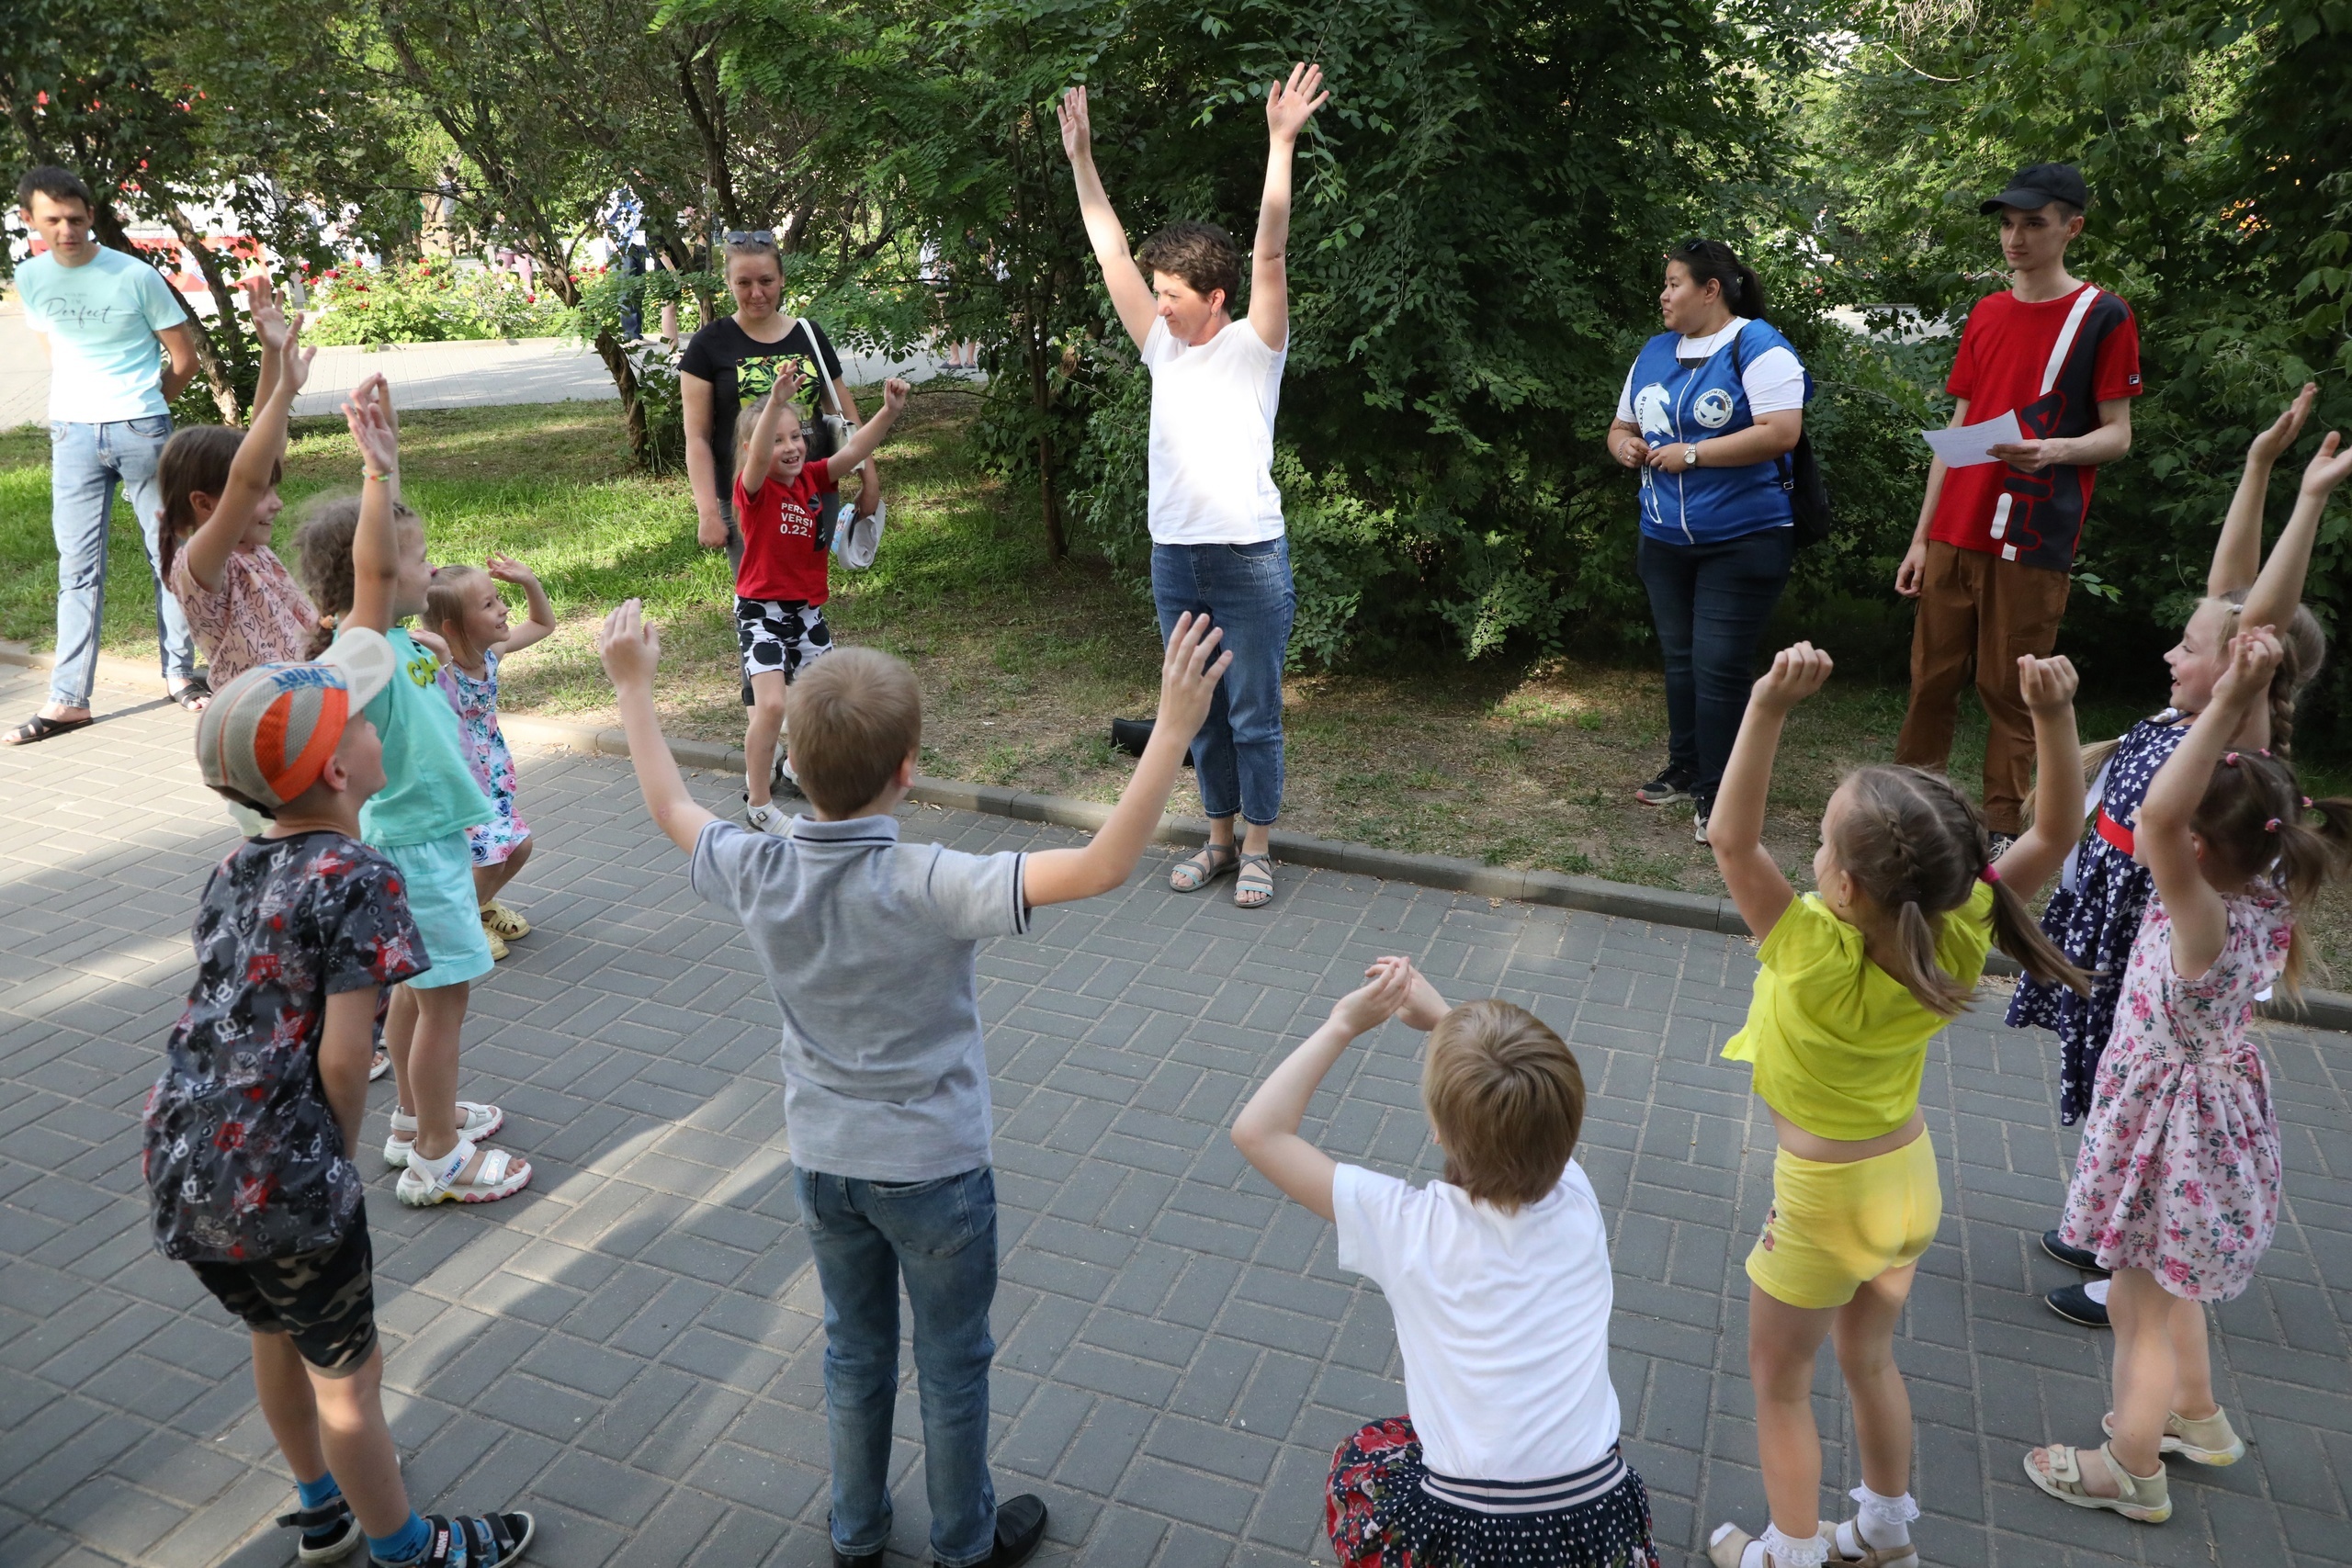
329,1533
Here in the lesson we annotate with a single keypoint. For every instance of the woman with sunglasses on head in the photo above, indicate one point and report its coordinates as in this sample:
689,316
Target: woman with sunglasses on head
1711,406
732,363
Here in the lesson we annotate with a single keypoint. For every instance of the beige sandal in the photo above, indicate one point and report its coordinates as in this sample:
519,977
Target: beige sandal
2209,1439
2145,1499
1198,870
1727,1545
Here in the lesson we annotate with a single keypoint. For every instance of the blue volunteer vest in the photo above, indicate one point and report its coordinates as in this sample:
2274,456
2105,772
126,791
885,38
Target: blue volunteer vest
1677,403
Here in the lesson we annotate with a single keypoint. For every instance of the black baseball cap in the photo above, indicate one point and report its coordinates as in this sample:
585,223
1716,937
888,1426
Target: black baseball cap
2037,186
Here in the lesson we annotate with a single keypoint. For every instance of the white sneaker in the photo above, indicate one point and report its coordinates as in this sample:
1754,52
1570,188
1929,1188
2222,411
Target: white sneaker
1699,822
769,819
783,778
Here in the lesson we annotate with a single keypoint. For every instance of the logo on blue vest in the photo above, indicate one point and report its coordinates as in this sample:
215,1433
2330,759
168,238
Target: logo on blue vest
1654,413
1713,409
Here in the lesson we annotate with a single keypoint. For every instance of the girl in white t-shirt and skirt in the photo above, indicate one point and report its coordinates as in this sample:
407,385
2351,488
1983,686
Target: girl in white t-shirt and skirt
1499,1278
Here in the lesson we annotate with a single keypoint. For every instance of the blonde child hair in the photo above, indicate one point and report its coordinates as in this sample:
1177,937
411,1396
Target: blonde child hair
1507,1099
444,608
854,715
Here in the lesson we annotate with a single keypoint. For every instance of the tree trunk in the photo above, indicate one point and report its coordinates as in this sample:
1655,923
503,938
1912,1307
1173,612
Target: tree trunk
640,439
227,394
1041,395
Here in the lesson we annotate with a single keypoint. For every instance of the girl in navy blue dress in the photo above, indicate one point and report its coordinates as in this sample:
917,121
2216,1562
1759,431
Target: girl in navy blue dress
2094,913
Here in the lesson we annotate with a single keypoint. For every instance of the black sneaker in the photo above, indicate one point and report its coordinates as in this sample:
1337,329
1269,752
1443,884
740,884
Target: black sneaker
2071,1257
2075,1303
1672,786
1020,1526
329,1533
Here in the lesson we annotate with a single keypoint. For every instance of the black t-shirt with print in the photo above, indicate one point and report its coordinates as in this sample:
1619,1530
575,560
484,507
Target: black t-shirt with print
242,1157
741,370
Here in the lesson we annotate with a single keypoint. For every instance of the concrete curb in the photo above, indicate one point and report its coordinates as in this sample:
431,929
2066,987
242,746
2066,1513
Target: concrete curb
1658,905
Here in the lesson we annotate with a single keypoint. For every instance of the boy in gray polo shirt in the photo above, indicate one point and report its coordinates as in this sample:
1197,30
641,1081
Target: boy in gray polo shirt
869,946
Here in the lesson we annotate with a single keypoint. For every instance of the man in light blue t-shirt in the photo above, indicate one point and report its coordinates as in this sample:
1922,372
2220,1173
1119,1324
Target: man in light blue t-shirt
99,314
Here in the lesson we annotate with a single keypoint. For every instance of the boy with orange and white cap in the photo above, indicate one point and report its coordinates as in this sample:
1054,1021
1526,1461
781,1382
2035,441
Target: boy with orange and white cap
250,1130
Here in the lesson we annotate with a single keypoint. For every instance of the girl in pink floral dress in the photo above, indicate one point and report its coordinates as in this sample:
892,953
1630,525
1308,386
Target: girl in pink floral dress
2175,1189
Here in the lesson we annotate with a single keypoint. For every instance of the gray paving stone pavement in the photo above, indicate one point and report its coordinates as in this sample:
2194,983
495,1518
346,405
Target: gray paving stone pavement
632,1349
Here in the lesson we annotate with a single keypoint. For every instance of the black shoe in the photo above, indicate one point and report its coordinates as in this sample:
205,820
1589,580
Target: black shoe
2071,1257
1020,1526
329,1533
1132,735
2073,1303
862,1559
1672,786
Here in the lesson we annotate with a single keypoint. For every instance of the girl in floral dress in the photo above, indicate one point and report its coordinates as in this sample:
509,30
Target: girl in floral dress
467,615
2176,1190
2095,915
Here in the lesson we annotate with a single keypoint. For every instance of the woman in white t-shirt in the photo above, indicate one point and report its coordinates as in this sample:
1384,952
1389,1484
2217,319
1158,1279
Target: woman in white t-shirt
1499,1278
1217,519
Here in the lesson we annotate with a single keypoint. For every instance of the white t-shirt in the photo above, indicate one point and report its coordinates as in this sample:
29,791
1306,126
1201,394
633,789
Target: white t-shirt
101,319
1773,380
1213,436
1503,1320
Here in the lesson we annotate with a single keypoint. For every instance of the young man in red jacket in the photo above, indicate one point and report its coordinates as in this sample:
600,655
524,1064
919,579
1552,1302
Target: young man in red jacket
1990,559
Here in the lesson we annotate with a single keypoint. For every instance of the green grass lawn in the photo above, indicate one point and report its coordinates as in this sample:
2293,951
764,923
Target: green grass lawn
1024,662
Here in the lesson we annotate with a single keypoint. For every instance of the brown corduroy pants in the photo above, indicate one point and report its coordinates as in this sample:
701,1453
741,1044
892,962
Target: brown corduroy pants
1978,613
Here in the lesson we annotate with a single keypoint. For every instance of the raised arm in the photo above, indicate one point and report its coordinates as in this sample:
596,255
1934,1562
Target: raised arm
375,546
2048,685
506,568
2238,554
285,366
1289,105
1267,1130
2162,839
1130,291
631,651
1735,826
1190,668
859,449
2271,600
759,448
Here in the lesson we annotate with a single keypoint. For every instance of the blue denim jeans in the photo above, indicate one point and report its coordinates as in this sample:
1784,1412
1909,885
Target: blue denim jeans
1710,603
941,1236
1246,590
87,463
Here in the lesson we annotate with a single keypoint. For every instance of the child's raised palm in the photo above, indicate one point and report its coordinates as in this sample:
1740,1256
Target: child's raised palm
1289,105
1378,999
506,568
2255,654
894,394
378,447
2046,683
2271,444
2330,466
1078,127
1798,672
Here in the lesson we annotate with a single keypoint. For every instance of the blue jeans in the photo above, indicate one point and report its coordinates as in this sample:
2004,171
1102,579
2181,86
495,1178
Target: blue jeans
941,1236
86,464
1710,603
1246,590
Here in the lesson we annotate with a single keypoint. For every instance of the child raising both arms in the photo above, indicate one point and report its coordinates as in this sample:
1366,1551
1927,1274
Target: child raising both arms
1855,980
782,582
468,623
1499,1278
364,559
2176,1186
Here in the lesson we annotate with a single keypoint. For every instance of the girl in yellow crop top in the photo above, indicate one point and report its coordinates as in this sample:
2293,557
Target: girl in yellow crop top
1855,980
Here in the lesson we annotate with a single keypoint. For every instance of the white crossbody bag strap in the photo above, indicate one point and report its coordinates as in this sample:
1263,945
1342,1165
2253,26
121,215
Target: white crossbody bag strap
832,396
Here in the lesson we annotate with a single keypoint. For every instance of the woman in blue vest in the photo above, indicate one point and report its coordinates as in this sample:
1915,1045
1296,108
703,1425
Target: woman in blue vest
1710,407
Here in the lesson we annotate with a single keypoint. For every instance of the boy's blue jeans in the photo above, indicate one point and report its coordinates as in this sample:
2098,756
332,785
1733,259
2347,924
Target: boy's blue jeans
86,464
941,1236
1247,591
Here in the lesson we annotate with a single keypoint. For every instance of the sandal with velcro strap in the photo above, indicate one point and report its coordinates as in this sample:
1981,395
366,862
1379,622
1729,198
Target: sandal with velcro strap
475,1122
474,1540
330,1534
2207,1440
2144,1499
429,1181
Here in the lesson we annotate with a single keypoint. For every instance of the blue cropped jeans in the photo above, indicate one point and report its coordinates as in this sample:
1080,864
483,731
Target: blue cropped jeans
941,1236
1246,590
87,463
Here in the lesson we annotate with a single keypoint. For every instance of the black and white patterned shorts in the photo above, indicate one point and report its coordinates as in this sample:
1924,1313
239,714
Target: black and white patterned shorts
779,637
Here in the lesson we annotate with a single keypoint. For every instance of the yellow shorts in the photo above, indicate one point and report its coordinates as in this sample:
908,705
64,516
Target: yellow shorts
1833,1226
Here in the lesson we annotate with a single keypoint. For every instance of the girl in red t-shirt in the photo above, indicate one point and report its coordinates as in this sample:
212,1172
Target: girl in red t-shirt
780,584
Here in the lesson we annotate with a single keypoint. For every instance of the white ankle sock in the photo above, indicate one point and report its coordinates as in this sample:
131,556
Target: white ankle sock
1787,1553
1884,1521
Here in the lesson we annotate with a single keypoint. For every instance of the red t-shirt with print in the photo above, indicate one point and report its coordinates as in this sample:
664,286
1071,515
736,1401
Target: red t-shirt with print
780,524
2053,361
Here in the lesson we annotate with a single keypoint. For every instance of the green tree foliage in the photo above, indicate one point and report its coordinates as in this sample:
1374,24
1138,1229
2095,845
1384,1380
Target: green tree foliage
2213,136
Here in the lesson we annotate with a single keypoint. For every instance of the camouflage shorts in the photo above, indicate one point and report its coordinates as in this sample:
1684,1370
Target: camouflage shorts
323,1300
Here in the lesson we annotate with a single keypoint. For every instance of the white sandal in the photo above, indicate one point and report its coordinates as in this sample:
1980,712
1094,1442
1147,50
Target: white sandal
474,1121
427,1182
2209,1439
2145,1499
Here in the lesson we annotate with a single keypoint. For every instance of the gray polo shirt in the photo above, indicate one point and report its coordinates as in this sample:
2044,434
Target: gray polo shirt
869,946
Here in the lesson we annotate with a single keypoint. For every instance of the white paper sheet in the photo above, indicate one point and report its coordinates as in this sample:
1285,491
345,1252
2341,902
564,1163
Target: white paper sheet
1966,445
